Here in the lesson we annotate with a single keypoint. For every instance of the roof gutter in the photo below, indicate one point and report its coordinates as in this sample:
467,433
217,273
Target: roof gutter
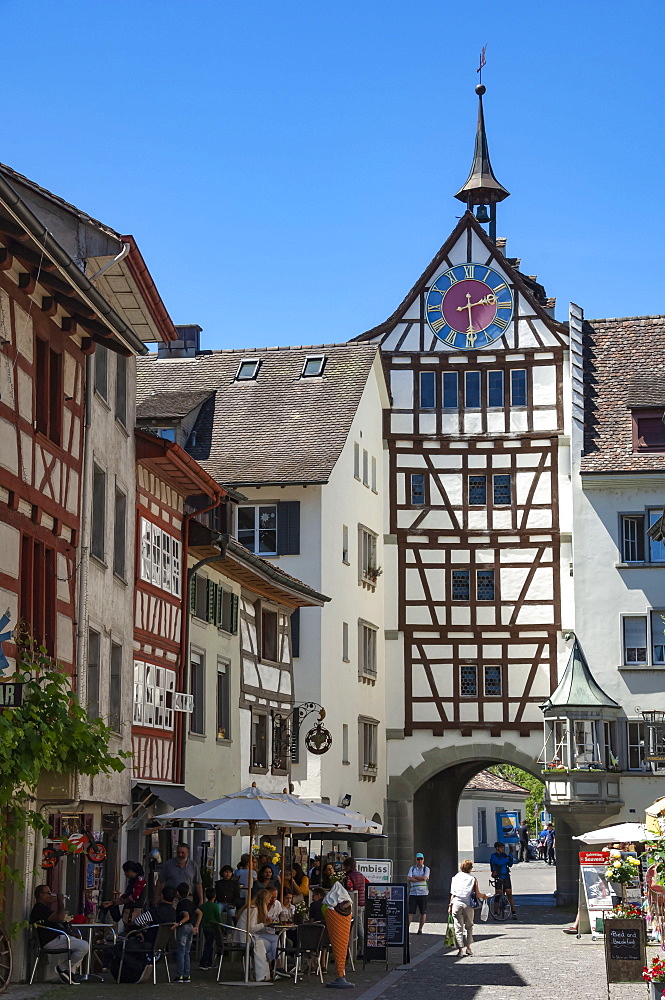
26,218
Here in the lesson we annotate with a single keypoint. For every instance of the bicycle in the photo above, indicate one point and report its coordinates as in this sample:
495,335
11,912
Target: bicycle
75,843
499,903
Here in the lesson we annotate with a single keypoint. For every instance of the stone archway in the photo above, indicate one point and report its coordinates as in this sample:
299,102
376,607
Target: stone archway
422,803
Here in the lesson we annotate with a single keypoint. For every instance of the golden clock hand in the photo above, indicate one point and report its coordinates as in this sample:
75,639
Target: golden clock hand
488,300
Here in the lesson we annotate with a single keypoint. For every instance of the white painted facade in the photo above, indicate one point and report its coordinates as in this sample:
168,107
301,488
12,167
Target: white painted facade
353,697
476,820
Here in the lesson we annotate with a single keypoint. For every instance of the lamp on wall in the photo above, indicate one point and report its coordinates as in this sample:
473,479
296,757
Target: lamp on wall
345,802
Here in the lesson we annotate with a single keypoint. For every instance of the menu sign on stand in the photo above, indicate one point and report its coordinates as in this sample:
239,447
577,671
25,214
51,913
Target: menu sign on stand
386,921
625,950
595,891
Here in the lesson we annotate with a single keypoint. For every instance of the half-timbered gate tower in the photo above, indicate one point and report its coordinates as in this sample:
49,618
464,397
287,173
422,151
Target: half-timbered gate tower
477,555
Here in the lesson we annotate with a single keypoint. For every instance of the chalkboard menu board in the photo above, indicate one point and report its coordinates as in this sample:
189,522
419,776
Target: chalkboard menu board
386,921
625,950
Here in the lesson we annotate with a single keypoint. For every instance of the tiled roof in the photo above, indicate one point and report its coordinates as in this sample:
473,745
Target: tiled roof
173,404
278,428
624,366
485,781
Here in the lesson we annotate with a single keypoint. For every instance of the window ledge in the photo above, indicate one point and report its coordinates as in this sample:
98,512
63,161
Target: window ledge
640,565
223,741
345,659
346,762
99,561
119,579
646,667
367,678
198,737
258,770
346,562
122,426
101,399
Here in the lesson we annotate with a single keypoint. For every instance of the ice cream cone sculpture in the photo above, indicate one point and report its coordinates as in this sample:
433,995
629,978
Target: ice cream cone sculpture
339,930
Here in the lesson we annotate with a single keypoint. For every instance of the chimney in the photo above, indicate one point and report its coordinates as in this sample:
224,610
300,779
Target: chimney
187,344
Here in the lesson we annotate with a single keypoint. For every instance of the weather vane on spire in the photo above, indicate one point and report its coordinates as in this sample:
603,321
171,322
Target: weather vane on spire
481,63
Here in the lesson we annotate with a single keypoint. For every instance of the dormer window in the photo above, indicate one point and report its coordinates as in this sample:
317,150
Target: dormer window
247,370
648,430
167,433
313,365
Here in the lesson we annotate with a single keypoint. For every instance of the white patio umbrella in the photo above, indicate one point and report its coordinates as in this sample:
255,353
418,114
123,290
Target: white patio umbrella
253,811
620,833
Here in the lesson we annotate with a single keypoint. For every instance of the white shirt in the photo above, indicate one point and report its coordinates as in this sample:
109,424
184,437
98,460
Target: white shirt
461,887
419,888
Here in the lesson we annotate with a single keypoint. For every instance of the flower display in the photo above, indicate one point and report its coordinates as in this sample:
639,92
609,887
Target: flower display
625,911
656,972
620,869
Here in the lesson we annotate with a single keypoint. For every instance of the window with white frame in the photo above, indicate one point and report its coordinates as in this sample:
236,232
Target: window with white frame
314,364
636,745
656,549
482,825
247,370
368,737
257,528
632,537
160,558
367,555
154,689
197,720
223,699
658,638
635,646
367,636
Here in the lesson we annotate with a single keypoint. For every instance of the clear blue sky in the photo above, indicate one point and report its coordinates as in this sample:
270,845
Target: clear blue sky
287,168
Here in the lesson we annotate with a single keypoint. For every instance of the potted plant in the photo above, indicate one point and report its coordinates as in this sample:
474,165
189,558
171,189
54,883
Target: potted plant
626,911
620,871
654,975
300,912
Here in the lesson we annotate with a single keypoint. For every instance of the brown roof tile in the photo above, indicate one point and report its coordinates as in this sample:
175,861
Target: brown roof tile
624,366
487,782
173,404
278,428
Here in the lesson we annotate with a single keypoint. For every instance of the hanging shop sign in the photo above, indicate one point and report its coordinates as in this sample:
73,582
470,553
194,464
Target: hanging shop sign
375,870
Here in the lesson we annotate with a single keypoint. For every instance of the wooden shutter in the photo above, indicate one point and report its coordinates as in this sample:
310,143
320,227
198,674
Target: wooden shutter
219,598
192,594
288,528
295,632
234,614
212,600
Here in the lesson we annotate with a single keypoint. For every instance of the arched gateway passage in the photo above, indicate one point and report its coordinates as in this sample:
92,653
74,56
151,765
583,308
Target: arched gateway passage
423,800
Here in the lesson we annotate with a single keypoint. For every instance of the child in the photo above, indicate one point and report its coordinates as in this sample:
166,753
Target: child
188,918
210,916
317,893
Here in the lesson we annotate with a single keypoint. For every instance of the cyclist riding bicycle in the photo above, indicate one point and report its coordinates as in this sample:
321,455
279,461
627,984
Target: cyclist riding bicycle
500,865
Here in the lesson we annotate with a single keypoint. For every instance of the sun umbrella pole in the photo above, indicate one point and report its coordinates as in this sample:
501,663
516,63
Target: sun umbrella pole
281,881
252,828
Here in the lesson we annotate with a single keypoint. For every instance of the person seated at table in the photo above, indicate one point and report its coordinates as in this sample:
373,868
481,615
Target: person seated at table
137,945
242,875
328,876
274,906
265,880
291,883
227,891
288,913
131,901
255,916
316,905
52,929
301,879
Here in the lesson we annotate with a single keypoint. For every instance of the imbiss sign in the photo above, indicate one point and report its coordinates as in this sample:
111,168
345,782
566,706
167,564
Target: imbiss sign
375,871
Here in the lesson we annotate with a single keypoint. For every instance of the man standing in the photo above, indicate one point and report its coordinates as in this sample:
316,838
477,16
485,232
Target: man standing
523,834
549,838
355,880
180,869
500,865
418,879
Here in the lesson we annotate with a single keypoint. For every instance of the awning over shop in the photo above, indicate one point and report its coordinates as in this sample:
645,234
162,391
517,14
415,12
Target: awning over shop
173,795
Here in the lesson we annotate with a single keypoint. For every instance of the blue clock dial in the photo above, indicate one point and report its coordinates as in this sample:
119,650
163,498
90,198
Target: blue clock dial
469,306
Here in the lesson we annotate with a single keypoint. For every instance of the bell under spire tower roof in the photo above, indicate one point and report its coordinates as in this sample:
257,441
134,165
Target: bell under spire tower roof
482,188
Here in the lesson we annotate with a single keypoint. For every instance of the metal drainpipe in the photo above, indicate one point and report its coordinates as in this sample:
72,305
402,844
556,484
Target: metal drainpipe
116,260
184,631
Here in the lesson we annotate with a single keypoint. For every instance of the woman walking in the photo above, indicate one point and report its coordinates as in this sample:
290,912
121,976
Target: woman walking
462,886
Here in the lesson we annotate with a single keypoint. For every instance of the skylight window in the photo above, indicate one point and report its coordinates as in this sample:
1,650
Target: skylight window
313,365
247,370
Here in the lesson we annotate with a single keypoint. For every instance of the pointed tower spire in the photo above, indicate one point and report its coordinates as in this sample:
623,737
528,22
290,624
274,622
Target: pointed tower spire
482,187
578,690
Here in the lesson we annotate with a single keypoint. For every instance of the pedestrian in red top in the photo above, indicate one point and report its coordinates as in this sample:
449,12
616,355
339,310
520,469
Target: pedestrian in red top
133,898
354,880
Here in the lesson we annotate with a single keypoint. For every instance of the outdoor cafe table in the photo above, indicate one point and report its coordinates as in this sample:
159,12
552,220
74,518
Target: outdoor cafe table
88,975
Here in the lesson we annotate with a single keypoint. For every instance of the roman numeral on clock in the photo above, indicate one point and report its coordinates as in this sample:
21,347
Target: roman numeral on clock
431,309
451,277
451,338
499,288
501,322
438,324
469,270
504,305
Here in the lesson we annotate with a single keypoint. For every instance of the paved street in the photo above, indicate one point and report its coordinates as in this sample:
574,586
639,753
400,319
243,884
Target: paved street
529,959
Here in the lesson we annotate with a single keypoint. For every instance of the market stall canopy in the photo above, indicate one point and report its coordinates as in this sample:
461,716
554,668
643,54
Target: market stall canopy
265,812
620,833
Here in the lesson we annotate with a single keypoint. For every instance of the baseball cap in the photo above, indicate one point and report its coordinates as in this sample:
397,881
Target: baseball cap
419,855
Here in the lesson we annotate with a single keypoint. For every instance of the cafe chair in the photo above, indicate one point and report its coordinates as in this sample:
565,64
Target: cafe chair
308,946
57,951
162,943
230,944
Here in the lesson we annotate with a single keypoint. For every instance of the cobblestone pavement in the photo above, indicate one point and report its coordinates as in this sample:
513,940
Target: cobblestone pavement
528,959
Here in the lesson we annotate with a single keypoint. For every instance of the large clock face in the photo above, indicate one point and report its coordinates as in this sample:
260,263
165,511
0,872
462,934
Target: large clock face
469,306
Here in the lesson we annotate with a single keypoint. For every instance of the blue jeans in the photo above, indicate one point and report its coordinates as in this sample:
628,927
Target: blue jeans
183,937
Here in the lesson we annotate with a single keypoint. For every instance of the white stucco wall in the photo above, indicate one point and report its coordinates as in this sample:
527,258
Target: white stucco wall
467,821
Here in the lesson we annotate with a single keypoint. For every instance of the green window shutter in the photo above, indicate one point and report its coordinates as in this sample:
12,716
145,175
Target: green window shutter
192,594
234,615
218,606
212,587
